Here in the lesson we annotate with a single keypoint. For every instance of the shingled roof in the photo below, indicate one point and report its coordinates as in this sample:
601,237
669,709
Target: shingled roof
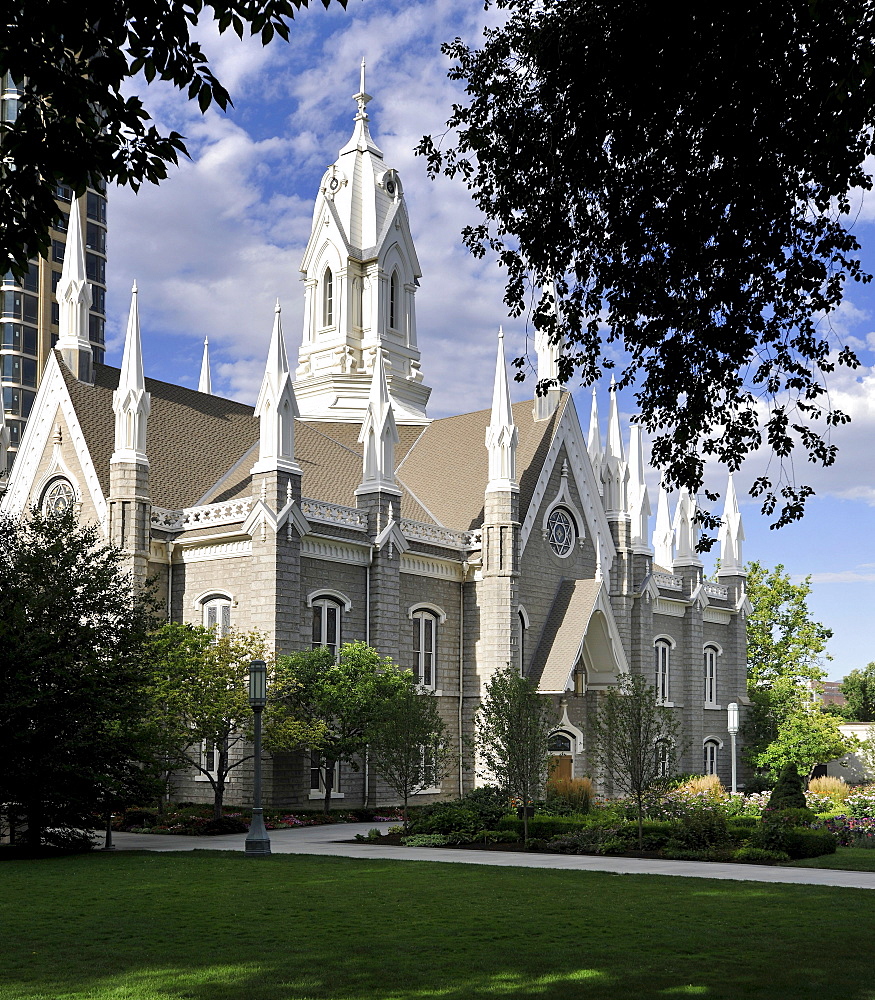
201,448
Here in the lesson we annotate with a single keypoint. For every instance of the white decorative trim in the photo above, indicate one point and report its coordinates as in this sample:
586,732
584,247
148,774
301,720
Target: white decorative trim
334,513
566,725
220,550
439,613
713,739
323,592
432,566
202,598
434,534
231,512
713,645
524,615
717,616
666,606
570,436
716,590
668,581
331,550
563,499
662,637
51,395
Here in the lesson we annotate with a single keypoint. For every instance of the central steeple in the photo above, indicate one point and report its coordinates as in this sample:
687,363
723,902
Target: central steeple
361,273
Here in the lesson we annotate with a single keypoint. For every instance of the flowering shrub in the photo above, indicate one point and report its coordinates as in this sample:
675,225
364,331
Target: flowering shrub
861,804
680,803
738,804
851,831
819,802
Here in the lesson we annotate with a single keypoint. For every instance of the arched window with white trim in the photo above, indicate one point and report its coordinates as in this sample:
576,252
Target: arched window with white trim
328,298
709,665
662,670
326,628
393,301
710,751
217,613
425,638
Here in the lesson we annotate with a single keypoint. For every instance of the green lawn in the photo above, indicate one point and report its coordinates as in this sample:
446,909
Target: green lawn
853,859
218,926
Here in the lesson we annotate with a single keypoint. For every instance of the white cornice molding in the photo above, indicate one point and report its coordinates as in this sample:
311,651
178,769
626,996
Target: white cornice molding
332,550
431,566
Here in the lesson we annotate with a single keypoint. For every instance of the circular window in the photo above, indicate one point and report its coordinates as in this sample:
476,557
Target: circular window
561,532
58,497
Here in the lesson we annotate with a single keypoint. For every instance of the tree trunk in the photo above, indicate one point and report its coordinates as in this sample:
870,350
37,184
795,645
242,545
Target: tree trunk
329,784
404,811
640,824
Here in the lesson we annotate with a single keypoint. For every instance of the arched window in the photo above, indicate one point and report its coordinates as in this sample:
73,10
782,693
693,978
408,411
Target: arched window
58,496
217,613
326,623
664,757
328,298
523,625
710,749
710,675
662,665
393,301
425,647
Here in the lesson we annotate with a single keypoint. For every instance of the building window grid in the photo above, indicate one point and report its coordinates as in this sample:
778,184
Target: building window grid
217,615
425,648
710,675
662,658
710,750
326,624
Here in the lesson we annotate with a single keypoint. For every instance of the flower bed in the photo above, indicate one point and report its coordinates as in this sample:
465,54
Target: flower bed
198,821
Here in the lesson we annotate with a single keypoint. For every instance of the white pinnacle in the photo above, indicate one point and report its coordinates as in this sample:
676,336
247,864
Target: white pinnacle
131,401
501,434
639,498
205,384
276,407
379,435
731,534
663,535
131,376
74,300
686,531
594,438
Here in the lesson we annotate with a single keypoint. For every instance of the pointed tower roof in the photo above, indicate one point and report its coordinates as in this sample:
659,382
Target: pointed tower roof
379,435
614,449
361,136
594,438
663,533
731,535
130,401
639,498
501,434
276,407
73,268
74,300
686,531
205,384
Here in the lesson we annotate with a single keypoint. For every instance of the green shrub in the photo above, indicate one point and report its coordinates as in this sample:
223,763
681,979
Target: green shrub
542,827
789,817
488,803
138,817
789,792
448,818
595,839
497,837
797,842
759,854
227,824
700,829
426,840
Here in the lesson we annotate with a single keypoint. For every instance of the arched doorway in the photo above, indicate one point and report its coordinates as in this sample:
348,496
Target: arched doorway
560,747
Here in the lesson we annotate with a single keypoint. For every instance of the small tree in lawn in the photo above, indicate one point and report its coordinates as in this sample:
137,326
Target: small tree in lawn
513,730
329,707
805,738
410,747
789,792
636,741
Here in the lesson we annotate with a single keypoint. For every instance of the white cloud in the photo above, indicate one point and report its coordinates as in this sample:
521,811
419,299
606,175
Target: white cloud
843,576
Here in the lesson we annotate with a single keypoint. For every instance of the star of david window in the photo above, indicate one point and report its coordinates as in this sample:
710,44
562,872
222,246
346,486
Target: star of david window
561,532
58,497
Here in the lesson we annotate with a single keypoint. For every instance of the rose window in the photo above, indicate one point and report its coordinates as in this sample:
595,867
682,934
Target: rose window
560,532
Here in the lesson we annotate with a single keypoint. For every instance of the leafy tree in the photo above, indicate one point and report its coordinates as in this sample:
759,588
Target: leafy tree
859,690
73,681
201,699
513,729
636,741
785,652
409,746
329,707
866,753
75,126
805,738
701,221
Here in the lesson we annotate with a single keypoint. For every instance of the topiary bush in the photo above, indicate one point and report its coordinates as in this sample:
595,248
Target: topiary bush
426,840
789,792
760,854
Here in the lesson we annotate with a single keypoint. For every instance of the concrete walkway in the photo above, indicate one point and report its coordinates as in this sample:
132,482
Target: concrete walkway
329,841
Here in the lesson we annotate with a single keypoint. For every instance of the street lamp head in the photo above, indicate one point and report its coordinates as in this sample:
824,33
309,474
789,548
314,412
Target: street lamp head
732,720
257,684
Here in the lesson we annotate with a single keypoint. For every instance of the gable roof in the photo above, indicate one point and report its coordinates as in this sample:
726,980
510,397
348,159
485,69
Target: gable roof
563,634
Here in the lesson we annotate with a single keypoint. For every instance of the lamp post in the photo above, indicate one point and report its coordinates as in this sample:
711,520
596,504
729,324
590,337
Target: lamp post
732,726
257,840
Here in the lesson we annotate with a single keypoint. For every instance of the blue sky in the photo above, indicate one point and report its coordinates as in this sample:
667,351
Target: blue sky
222,238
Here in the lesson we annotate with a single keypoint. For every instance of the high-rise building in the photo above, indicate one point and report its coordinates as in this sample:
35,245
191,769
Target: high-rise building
29,310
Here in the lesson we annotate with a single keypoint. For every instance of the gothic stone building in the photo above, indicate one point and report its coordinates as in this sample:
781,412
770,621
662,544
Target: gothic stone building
336,510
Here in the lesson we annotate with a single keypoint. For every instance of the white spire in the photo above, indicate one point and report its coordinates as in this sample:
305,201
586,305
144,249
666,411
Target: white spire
615,472
130,401
731,535
686,531
639,498
74,300
663,535
361,136
594,438
501,434
379,435
276,407
205,384
548,369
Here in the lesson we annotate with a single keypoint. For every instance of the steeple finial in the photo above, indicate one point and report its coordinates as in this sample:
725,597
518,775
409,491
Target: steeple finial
615,472
206,383
686,531
379,435
731,534
594,438
276,407
361,137
131,401
74,301
639,499
501,434
663,534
